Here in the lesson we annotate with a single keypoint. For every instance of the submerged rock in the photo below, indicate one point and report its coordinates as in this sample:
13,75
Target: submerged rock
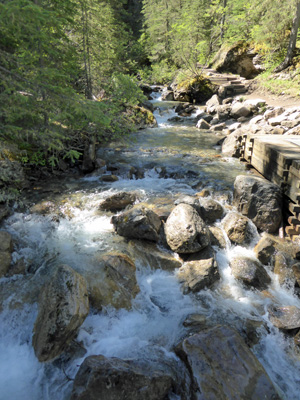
63,306
223,367
260,200
250,272
116,285
139,222
118,201
199,272
6,249
115,379
185,230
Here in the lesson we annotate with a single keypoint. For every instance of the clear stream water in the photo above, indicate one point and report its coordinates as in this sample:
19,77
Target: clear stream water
170,160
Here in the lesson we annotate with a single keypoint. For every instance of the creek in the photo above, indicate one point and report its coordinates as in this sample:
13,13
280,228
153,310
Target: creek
160,164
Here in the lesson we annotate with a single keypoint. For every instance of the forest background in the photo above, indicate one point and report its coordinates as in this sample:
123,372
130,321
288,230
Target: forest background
71,69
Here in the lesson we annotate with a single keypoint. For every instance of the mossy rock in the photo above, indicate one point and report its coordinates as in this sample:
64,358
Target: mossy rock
196,88
142,117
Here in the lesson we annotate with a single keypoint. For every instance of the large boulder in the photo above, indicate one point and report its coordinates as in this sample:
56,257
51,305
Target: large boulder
140,222
260,200
115,379
116,283
118,201
250,272
199,272
223,367
167,95
237,59
240,110
6,248
185,230
232,146
265,249
63,306
237,228
196,89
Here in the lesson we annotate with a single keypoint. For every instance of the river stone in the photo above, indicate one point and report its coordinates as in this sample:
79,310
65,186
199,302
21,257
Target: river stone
232,146
240,110
282,269
296,272
192,201
109,178
43,208
116,283
6,249
118,201
265,249
4,212
199,272
202,124
212,103
237,228
260,200
63,306
185,230
139,222
167,95
287,317
250,272
217,237
149,254
211,210
115,379
223,367
273,113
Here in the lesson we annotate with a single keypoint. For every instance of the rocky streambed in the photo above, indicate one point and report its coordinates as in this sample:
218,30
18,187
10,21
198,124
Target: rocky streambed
158,276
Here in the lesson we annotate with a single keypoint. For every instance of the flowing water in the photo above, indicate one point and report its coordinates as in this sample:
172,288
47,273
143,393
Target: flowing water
160,164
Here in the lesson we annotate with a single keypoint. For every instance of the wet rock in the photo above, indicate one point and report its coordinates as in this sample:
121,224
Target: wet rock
287,317
63,306
6,249
260,200
195,322
176,119
217,237
296,272
116,284
215,356
116,379
118,201
12,174
204,193
240,110
211,210
199,272
109,178
185,230
283,270
265,249
43,208
4,212
250,272
167,95
150,254
139,222
237,228
202,124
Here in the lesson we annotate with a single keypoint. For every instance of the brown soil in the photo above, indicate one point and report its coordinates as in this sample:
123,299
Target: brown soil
270,98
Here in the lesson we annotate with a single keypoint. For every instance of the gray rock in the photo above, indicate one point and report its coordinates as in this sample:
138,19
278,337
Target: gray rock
192,201
259,200
167,95
217,237
265,249
250,272
202,124
283,270
63,306
118,201
273,113
212,103
199,272
211,210
237,228
240,110
232,144
287,317
115,379
139,222
223,367
185,230
218,127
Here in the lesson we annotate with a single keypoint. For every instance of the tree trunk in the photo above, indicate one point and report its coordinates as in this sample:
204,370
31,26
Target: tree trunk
292,43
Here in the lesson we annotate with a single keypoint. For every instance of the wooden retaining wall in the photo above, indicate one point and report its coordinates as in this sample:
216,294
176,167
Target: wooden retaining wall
277,158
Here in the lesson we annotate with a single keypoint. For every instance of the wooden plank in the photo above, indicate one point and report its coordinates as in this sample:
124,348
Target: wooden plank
293,221
290,230
294,208
267,171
